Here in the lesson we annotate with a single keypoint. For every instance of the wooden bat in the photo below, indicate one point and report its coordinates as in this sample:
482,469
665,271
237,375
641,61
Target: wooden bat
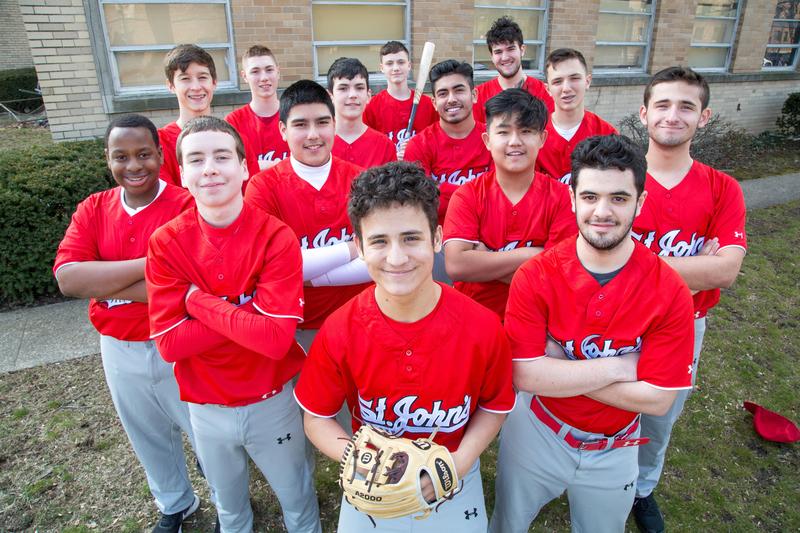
422,79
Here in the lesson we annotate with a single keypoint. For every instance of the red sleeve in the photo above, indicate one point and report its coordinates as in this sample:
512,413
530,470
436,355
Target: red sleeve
563,223
667,345
461,222
728,222
416,153
252,159
80,240
321,388
526,315
280,285
170,171
371,117
258,193
426,114
497,391
389,151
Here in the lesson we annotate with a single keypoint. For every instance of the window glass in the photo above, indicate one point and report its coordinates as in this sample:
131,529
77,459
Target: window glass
142,69
624,31
784,36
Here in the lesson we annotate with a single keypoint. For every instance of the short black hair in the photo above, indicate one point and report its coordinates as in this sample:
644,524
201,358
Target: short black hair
397,183
530,112
303,92
684,74
393,47
209,123
451,66
133,121
347,68
563,54
504,30
603,152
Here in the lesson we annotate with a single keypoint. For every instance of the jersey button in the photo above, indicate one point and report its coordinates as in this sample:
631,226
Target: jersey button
597,313
220,276
601,296
668,196
409,352
133,239
130,221
408,368
514,213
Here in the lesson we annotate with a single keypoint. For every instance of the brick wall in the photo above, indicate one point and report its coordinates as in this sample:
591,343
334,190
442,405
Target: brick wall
13,41
751,41
672,34
752,105
573,24
449,25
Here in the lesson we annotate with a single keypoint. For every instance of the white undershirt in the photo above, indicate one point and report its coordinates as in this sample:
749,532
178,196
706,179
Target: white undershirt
567,133
314,176
133,210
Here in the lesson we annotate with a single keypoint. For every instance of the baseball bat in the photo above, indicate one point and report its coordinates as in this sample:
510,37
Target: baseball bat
422,78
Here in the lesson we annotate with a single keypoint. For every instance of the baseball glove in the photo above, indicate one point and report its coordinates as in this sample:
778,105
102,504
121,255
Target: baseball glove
381,474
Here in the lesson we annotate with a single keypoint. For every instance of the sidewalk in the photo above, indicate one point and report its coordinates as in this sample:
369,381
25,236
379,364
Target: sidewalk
57,332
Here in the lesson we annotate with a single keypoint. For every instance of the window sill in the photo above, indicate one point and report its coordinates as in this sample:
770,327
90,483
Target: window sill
153,102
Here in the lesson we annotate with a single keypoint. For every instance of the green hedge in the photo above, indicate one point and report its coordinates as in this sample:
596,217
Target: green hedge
39,190
11,81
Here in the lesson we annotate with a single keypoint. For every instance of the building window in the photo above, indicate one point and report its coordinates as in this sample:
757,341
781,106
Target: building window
138,33
715,23
531,15
356,29
624,31
784,36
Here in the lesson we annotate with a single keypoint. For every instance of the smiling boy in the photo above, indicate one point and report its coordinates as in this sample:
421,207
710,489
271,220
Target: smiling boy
410,356
509,214
568,79
257,122
224,283
348,85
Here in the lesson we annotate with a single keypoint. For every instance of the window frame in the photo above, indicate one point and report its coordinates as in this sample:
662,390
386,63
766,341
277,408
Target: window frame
787,68
110,51
377,76
647,45
541,43
729,46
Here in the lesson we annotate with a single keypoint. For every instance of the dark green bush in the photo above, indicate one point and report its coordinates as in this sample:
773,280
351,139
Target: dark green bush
14,83
789,121
39,190
719,144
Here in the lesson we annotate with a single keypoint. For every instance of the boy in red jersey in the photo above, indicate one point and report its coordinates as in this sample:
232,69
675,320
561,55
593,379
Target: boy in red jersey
695,220
505,43
568,79
509,214
390,110
102,257
600,332
409,356
192,78
348,85
308,191
224,283
257,122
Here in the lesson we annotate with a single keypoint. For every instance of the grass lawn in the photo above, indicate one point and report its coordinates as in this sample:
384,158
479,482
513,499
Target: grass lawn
14,136
65,464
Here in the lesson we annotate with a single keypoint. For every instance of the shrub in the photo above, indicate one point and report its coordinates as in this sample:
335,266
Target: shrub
13,83
39,190
719,144
789,121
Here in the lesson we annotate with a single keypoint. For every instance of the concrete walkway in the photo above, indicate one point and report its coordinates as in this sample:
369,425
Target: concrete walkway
57,332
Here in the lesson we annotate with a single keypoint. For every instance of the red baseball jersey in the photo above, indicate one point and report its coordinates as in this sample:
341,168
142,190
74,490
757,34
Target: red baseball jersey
554,157
450,162
481,212
254,264
261,134
390,116
492,87
318,218
409,378
676,222
371,149
646,308
170,170
101,230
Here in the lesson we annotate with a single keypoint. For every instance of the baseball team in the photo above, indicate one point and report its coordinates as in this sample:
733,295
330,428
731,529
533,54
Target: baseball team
508,265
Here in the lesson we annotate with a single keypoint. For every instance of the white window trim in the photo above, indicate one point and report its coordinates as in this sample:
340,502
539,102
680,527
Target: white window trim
161,88
647,44
491,73
373,76
728,45
795,46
